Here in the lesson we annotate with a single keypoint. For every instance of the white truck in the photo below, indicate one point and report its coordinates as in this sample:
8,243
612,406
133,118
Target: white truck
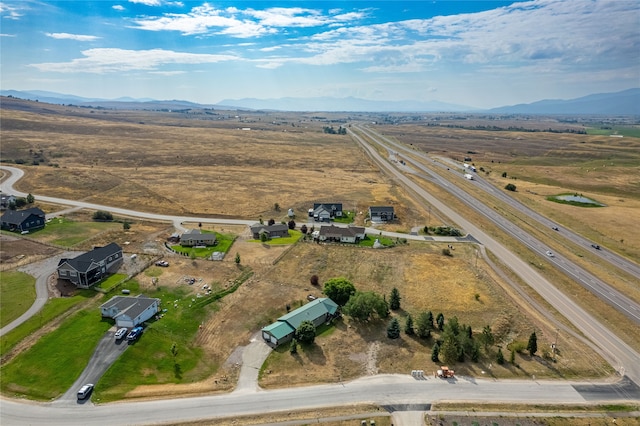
468,176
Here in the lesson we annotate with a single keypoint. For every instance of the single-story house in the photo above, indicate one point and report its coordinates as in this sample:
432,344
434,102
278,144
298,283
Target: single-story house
23,220
324,212
130,311
381,214
6,200
347,234
89,268
318,312
276,230
196,237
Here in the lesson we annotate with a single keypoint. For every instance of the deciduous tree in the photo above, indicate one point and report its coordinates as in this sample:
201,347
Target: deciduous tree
339,290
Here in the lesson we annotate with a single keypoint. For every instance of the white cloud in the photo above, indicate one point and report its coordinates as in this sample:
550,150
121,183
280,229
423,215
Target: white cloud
66,36
118,7
106,60
147,2
241,23
10,12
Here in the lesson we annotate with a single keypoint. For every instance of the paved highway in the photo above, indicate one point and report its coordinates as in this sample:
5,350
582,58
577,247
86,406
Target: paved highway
604,291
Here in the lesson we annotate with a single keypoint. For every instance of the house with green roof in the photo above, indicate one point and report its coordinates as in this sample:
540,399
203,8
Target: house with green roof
318,312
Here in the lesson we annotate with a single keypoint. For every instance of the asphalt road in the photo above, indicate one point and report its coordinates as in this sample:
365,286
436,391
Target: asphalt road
385,390
613,348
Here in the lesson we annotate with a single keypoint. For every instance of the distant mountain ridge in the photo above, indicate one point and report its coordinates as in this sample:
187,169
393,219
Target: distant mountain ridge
626,102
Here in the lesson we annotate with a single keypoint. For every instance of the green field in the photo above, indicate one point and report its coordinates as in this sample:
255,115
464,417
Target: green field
52,364
633,132
17,294
292,238
51,310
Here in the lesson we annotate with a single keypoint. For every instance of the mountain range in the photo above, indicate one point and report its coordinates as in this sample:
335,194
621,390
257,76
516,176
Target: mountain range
626,102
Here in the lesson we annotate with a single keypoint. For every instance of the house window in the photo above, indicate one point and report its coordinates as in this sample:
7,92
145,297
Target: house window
73,273
110,257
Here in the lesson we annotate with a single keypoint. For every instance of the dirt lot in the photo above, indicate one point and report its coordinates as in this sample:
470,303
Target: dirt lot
17,251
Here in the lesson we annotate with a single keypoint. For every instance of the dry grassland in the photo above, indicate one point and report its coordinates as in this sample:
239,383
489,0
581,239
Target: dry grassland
178,164
542,164
189,167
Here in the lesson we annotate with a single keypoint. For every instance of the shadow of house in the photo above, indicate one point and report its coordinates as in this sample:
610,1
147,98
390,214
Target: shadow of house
23,220
283,330
277,230
130,311
196,237
87,269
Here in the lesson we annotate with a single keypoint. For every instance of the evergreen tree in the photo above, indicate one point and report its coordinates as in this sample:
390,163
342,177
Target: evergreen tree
512,357
440,321
408,327
393,329
237,259
487,337
475,352
449,347
30,199
430,319
293,348
394,299
423,325
500,357
532,346
435,351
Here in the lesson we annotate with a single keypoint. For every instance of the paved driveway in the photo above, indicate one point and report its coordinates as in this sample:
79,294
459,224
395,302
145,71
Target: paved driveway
106,353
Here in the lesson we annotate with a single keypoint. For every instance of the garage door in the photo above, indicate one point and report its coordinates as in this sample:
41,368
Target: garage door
124,323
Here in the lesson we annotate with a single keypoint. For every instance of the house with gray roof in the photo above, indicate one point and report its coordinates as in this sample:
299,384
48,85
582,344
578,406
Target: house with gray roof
130,311
324,212
381,214
341,234
283,330
277,230
87,269
23,220
196,237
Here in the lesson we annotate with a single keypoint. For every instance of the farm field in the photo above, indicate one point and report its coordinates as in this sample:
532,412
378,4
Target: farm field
191,164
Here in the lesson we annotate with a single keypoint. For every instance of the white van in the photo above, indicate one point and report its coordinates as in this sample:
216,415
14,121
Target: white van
85,391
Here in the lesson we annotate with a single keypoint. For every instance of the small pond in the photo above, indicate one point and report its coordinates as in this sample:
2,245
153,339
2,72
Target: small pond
577,199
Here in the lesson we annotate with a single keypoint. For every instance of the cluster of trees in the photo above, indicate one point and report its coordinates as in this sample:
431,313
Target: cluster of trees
442,230
456,342
103,216
329,129
510,187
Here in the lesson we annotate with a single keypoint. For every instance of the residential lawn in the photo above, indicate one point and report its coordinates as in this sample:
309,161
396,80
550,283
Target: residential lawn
150,359
17,294
51,365
67,233
369,240
223,244
347,217
51,310
111,281
292,238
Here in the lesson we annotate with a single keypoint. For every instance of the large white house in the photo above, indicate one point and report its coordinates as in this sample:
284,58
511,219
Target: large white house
130,311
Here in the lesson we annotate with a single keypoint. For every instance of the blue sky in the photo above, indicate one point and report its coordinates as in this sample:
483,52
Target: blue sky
475,53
